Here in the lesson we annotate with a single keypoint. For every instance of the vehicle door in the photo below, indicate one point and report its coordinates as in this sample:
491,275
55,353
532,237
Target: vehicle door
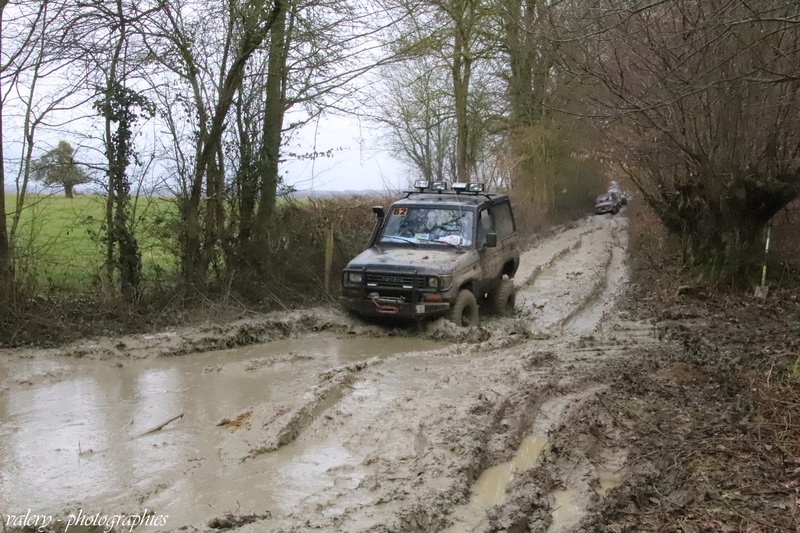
488,257
504,226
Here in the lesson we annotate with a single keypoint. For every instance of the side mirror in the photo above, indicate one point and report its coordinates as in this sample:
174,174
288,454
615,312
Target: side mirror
491,240
381,216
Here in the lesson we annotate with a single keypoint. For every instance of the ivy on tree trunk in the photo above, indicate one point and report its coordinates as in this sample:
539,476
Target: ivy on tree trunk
121,107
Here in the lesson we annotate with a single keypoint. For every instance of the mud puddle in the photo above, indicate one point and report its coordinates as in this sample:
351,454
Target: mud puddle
566,512
73,431
490,488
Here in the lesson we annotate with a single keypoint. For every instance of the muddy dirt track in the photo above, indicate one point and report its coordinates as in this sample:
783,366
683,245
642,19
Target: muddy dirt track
311,420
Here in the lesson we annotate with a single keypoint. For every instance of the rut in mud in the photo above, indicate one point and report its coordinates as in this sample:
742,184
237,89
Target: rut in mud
322,422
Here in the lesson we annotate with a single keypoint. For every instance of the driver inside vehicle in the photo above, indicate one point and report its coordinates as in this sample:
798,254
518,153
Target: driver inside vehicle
449,226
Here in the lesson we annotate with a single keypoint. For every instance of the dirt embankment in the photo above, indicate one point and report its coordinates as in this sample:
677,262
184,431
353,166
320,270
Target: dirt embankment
582,413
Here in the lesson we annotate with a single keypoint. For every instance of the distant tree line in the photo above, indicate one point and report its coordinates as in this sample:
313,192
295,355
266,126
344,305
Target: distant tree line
696,100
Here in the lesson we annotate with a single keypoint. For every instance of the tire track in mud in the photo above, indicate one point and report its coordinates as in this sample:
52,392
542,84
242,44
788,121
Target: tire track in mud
601,299
283,428
544,255
568,284
554,495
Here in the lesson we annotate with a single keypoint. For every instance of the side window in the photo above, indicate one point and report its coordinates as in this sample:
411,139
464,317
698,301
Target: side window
485,225
504,221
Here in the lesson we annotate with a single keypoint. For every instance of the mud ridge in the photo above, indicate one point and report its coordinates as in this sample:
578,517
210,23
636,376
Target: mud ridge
523,503
598,305
337,383
430,511
598,289
580,464
561,254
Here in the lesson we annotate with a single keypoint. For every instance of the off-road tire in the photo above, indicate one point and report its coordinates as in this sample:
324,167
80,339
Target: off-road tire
504,298
464,311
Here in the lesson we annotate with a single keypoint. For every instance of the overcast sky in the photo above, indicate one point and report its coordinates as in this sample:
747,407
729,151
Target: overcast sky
359,159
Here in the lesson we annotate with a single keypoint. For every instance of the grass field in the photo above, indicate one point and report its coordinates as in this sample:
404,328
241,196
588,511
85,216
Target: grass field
59,241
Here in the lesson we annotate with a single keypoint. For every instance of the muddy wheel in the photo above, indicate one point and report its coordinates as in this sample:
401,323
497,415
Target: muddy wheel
465,310
504,298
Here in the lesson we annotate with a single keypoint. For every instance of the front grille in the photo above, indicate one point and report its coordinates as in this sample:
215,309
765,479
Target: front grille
394,281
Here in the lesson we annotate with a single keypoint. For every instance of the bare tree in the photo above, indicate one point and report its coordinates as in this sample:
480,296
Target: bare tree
415,105
526,38
42,63
101,37
27,61
213,66
309,52
460,34
712,142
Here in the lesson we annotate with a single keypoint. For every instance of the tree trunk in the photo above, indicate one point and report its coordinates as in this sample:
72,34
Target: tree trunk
461,75
246,181
68,190
725,232
520,16
194,260
5,249
272,126
6,277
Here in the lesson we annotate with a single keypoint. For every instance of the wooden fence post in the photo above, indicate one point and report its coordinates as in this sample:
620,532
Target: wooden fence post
328,256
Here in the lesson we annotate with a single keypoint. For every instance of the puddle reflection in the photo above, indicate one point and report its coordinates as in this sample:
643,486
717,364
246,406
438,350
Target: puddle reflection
80,439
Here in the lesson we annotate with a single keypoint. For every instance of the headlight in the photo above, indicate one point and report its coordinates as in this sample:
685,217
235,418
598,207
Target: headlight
355,277
441,283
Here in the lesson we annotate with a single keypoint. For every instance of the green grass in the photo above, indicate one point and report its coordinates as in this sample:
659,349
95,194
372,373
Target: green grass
58,242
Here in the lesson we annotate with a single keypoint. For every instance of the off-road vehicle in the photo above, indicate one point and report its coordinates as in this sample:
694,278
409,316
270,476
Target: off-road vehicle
608,202
437,252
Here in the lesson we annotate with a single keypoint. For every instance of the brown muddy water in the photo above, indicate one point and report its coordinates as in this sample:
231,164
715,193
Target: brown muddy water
72,433
490,488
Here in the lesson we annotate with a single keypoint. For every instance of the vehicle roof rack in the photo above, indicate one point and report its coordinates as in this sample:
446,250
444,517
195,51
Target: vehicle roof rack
456,189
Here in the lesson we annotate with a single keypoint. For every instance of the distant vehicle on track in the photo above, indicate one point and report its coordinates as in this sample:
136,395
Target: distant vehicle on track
608,202
623,195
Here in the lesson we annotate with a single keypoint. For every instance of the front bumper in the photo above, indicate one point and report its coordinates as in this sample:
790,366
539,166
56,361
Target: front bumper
599,210
393,307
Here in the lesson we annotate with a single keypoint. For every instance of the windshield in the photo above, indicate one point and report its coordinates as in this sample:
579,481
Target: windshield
604,198
424,225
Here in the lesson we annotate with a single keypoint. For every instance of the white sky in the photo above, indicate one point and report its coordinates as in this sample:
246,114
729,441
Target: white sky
359,160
